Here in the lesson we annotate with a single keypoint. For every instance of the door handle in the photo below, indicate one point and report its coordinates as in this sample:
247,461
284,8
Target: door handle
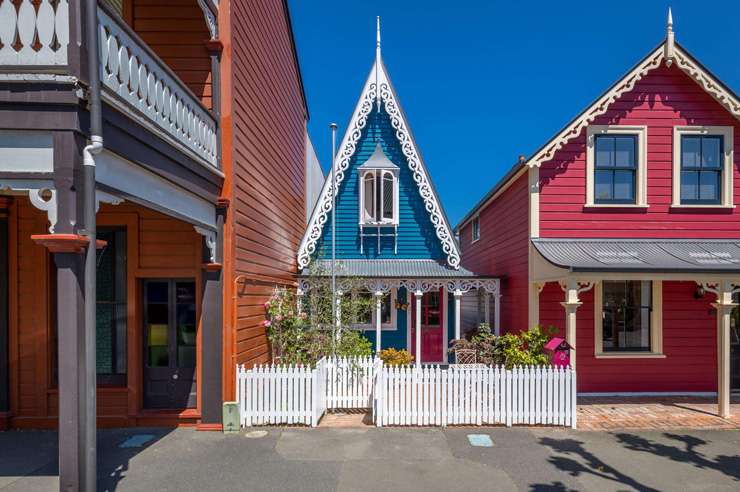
175,376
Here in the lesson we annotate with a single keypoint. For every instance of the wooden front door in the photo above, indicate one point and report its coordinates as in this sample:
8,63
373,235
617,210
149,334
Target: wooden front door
169,344
432,330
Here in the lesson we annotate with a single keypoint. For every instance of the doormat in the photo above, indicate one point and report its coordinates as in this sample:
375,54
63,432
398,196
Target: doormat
136,441
480,440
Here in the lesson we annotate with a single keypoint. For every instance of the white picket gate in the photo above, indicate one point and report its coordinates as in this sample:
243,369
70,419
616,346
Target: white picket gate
475,395
350,381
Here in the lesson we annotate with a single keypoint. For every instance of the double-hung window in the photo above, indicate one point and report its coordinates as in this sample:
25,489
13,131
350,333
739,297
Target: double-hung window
702,166
475,228
367,314
379,189
616,166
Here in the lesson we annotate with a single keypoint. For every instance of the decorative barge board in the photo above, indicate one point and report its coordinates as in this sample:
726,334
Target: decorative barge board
632,232
391,232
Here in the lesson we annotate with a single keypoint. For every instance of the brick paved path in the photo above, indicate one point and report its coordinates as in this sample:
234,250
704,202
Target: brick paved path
615,413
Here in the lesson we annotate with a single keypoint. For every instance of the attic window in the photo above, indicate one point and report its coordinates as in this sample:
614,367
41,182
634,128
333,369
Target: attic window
378,190
475,228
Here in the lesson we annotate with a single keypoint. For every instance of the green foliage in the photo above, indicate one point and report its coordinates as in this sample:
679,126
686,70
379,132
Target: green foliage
525,348
296,339
393,357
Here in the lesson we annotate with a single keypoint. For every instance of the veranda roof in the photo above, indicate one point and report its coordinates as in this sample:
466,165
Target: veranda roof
642,255
388,269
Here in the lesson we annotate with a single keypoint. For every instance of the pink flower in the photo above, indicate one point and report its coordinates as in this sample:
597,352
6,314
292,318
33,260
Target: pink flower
267,305
279,317
266,323
303,316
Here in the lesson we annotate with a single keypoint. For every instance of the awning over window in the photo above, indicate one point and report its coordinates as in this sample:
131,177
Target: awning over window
641,255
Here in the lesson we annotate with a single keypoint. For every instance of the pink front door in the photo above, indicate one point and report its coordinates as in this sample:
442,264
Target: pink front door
432,332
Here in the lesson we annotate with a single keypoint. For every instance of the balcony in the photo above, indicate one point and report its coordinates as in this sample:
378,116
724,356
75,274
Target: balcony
35,45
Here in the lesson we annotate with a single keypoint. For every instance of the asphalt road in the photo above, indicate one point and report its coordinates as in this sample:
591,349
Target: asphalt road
540,459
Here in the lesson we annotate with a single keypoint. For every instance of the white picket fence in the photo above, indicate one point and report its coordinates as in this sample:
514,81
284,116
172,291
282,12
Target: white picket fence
477,395
407,395
281,394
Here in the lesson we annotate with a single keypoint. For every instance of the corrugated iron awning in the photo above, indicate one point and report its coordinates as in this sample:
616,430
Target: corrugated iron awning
387,269
642,255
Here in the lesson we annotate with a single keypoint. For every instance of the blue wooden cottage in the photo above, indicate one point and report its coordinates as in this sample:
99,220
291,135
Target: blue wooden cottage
391,232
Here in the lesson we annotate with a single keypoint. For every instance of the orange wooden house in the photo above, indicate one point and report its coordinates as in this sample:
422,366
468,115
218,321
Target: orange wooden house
203,114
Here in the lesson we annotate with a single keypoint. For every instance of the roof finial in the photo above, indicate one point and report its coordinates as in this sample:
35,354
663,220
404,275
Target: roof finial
377,61
377,40
669,40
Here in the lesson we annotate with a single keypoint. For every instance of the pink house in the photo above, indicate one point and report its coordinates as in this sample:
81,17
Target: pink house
622,231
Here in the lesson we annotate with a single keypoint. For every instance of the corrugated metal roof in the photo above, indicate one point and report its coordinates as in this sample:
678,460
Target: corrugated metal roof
664,255
388,269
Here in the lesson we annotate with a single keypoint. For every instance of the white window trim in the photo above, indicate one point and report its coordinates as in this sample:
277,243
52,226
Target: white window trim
640,180
392,326
656,326
727,133
396,186
474,239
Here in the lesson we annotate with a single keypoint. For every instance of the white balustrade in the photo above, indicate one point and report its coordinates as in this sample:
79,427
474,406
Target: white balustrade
135,75
34,32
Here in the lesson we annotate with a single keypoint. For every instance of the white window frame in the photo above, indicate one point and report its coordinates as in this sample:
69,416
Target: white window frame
656,324
392,326
382,172
473,222
727,134
640,179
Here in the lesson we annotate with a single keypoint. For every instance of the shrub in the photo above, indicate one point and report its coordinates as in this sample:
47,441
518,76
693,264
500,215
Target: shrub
393,357
521,349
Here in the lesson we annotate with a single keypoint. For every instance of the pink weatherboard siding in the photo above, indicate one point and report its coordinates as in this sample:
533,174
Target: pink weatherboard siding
664,98
502,251
689,345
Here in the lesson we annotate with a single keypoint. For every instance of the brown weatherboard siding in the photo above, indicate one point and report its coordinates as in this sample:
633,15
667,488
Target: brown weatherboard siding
161,247
267,215
176,30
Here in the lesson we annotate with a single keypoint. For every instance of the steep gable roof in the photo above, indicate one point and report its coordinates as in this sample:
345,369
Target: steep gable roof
668,52
378,90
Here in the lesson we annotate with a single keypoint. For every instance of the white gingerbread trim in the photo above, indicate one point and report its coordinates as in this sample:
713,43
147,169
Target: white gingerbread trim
210,238
599,107
348,147
682,59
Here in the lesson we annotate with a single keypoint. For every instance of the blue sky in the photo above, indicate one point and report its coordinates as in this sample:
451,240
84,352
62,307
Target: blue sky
485,81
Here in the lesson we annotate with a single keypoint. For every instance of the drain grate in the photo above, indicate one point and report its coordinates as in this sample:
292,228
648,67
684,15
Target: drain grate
136,441
480,440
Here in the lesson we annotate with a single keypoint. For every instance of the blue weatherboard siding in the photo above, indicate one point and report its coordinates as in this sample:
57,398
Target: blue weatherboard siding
416,235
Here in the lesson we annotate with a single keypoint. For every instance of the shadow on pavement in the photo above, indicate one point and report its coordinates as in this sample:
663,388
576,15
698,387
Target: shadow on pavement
685,451
587,463
35,454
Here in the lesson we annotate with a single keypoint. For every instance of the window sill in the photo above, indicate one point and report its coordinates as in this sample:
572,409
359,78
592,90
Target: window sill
629,355
616,205
718,206
475,241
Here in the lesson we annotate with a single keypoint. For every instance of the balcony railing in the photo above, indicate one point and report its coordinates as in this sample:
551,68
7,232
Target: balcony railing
136,76
32,36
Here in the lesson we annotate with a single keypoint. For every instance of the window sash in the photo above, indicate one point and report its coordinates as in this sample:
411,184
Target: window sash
697,176
611,169
476,228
